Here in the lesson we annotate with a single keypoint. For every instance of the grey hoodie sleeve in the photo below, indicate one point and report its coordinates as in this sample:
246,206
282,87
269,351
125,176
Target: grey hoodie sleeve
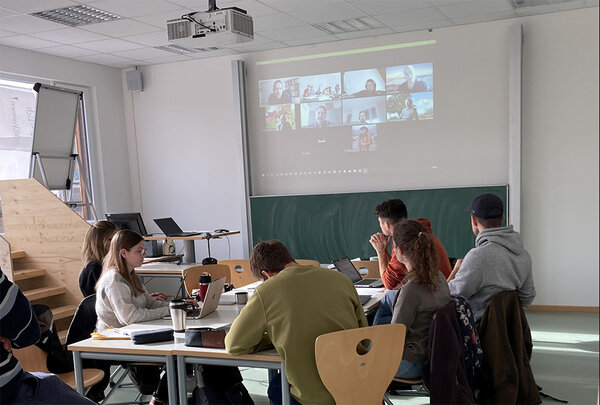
526,292
469,278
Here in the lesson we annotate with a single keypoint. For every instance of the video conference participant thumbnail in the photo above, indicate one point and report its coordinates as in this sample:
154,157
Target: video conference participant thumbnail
321,115
320,87
280,117
410,106
364,138
364,83
279,91
365,110
409,78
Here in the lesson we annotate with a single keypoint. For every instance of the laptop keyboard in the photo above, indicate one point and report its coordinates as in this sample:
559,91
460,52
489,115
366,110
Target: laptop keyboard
364,281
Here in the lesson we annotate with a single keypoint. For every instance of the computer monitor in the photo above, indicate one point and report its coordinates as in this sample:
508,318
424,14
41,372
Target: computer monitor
130,220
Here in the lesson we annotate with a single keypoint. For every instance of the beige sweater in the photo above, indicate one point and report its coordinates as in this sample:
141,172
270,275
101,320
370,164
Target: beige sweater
117,306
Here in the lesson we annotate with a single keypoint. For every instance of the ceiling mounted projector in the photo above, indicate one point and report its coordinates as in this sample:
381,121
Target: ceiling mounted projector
212,28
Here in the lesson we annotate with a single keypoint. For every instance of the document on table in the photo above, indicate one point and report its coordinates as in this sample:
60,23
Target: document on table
111,333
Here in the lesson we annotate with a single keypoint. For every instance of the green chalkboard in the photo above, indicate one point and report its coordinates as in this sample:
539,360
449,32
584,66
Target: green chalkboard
327,226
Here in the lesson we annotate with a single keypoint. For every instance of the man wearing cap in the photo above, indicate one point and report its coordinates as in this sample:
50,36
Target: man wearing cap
497,263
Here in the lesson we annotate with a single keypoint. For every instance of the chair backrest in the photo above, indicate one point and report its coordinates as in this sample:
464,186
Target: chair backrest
32,358
84,320
239,271
308,262
216,271
355,378
370,265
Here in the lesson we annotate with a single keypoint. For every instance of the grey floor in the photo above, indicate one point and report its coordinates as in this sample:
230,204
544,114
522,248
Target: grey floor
564,361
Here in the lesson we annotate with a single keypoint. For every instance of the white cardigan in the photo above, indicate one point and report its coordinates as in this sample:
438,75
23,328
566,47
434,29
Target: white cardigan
117,306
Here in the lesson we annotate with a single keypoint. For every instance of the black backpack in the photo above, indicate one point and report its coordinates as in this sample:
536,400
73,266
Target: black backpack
59,360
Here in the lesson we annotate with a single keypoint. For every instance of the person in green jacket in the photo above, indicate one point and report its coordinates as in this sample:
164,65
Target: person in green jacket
294,306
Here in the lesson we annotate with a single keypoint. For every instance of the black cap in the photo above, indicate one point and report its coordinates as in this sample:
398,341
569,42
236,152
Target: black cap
486,206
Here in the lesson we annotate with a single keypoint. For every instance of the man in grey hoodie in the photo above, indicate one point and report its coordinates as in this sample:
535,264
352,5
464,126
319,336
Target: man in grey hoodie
497,263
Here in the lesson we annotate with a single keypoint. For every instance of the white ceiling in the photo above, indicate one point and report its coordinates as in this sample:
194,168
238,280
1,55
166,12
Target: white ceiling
131,40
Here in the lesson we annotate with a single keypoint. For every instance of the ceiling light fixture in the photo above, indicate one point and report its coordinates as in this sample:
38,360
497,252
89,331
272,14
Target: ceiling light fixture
76,15
349,25
180,50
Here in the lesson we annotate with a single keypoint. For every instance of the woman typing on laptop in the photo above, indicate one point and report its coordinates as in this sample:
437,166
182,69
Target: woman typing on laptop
121,299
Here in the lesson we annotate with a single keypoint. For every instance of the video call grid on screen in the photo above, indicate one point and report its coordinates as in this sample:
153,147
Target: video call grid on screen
321,115
357,97
338,131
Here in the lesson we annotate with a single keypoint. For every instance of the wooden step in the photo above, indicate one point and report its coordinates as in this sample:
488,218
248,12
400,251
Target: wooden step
62,335
63,312
28,273
39,293
17,254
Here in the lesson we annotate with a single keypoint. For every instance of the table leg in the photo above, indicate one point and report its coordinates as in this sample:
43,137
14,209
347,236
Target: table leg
189,249
285,387
78,371
171,382
181,375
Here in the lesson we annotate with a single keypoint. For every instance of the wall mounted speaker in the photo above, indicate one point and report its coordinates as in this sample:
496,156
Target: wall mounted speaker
134,80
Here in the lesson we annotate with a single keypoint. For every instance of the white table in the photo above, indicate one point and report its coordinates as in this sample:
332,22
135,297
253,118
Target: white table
169,352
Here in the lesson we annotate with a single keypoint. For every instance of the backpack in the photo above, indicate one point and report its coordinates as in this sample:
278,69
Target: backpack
59,360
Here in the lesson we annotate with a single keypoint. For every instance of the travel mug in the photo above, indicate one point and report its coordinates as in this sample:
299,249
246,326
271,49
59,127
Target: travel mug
241,297
203,283
178,309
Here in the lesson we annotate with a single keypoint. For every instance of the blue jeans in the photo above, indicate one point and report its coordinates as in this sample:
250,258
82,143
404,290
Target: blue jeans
383,316
274,391
408,369
42,388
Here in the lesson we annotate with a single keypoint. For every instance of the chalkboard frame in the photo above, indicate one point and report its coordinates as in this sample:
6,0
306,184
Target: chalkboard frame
328,226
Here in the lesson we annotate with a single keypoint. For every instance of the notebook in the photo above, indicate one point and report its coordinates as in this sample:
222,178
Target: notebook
344,265
211,300
170,228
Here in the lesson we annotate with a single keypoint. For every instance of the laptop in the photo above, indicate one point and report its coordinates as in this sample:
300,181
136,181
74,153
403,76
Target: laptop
170,228
211,300
344,265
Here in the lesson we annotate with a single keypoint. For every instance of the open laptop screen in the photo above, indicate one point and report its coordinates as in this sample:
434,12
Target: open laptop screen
344,265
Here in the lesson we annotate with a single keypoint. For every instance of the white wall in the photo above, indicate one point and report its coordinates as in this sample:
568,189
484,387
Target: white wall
104,112
560,155
189,151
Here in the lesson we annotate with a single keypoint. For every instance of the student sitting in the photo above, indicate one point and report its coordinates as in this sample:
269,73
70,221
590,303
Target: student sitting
287,312
121,298
424,293
392,271
19,328
95,246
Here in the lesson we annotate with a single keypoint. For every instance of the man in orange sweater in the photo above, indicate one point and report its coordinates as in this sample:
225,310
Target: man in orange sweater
392,272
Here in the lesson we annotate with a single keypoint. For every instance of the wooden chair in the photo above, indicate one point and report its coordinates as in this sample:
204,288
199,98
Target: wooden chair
308,262
240,272
32,358
371,266
216,271
355,378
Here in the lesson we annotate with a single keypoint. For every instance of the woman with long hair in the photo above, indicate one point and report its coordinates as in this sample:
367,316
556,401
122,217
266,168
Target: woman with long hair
122,299
425,291
95,247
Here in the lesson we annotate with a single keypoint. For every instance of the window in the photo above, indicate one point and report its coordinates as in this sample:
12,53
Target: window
17,121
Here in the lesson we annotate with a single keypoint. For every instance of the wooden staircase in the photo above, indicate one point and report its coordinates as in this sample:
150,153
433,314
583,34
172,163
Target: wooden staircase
32,283
41,250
